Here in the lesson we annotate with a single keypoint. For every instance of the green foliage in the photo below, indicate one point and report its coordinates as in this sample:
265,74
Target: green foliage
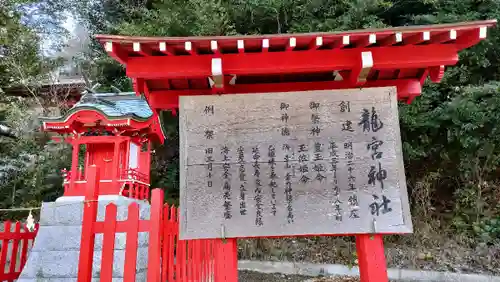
165,162
18,48
488,230
30,165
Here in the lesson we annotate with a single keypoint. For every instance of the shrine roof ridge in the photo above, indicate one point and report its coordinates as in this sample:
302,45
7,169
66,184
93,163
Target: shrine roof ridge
165,68
380,31
111,105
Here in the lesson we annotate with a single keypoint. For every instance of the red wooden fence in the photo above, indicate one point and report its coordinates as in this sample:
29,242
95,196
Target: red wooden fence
14,249
209,260
169,259
110,226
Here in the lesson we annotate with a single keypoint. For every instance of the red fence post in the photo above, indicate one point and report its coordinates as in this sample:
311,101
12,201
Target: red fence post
15,247
173,237
154,250
371,258
89,217
5,246
108,243
132,230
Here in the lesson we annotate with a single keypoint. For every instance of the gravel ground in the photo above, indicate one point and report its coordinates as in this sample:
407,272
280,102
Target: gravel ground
249,276
406,252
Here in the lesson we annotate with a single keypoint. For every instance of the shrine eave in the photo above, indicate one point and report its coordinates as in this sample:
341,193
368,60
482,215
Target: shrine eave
83,119
163,68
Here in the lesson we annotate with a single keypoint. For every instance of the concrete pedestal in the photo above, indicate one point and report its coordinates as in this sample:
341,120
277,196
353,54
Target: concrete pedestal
55,254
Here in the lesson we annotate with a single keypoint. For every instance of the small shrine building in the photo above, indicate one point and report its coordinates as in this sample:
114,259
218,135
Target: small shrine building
114,132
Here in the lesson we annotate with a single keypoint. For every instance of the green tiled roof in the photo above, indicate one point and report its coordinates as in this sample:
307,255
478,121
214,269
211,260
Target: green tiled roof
113,106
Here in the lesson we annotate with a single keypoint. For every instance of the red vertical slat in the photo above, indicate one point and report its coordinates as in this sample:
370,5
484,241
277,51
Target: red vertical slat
132,230
174,244
89,217
145,192
225,261
183,262
15,247
230,259
24,252
234,259
189,261
131,190
192,260
140,191
179,257
186,260
202,259
5,244
206,259
214,259
221,261
154,250
165,245
199,267
210,259
215,265
108,243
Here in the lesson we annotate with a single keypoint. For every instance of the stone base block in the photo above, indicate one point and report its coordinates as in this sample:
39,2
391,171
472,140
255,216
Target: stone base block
55,254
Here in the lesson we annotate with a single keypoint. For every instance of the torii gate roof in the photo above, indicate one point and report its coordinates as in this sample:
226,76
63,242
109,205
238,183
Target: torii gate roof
164,68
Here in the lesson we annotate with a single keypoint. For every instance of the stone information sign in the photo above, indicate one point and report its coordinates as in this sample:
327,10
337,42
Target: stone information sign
295,163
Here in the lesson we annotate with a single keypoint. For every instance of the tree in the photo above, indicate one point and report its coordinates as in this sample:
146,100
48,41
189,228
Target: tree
27,164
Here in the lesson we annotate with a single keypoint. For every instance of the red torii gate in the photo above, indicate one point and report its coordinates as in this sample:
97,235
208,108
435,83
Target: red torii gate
164,68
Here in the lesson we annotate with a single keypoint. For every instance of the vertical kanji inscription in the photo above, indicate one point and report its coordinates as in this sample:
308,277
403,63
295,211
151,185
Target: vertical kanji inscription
258,187
226,176
334,159
285,130
295,163
209,159
352,202
288,191
272,177
242,178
